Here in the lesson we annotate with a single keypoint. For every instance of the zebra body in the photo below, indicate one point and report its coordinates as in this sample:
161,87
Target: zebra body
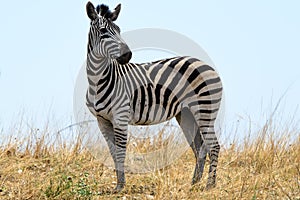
143,84
122,93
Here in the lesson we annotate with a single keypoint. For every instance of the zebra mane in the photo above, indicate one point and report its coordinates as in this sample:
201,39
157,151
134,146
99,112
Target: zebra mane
104,11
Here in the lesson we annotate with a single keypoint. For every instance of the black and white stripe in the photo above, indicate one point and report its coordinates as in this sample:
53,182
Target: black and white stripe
122,93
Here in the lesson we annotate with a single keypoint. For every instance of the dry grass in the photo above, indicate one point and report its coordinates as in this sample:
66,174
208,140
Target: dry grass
265,167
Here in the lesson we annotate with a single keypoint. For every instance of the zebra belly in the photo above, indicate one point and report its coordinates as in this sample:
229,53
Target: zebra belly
150,109
136,118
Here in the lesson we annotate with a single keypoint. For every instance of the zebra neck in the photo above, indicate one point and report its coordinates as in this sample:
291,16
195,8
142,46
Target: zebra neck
95,68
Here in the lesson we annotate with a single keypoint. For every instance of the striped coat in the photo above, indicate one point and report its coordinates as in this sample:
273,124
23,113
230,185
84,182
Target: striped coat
121,93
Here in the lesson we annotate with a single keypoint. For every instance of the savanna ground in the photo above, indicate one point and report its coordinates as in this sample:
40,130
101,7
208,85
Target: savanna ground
267,166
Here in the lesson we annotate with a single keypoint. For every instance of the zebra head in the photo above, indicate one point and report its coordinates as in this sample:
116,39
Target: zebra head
104,36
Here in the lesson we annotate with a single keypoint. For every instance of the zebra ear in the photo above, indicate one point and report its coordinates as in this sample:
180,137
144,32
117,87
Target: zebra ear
90,10
116,13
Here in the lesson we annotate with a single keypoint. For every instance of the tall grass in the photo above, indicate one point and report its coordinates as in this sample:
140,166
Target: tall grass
43,166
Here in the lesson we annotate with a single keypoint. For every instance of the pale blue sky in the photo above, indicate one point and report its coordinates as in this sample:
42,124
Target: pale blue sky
254,44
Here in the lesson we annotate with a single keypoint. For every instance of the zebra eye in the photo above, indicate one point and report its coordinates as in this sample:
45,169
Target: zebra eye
103,30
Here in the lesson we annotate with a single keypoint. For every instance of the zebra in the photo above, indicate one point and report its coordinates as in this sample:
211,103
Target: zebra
121,93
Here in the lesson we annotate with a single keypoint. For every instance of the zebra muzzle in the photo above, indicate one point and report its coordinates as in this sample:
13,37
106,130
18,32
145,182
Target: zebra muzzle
124,58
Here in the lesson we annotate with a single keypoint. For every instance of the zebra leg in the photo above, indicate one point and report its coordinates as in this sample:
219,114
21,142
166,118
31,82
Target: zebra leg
107,131
120,145
201,153
116,138
205,120
211,141
192,133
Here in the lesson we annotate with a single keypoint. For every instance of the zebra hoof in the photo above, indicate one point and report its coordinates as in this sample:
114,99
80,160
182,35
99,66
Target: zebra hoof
195,181
119,188
210,186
